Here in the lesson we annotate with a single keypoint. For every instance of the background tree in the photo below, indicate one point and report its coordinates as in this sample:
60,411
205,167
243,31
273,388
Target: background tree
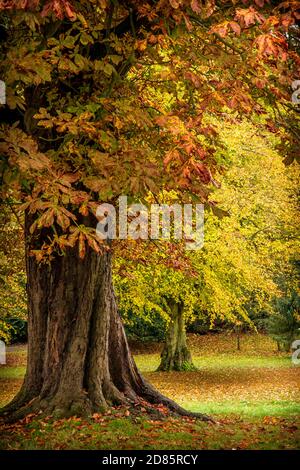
234,277
13,311
284,324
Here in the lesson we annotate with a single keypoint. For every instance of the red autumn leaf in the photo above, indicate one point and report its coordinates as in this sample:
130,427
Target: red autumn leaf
83,210
235,27
188,24
81,245
60,8
47,219
195,6
221,29
174,3
248,17
259,3
63,220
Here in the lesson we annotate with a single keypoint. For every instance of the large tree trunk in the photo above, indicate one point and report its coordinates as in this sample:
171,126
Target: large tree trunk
78,356
175,354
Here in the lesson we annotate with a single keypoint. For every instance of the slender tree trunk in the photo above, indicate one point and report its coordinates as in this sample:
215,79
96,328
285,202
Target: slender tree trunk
78,356
238,339
175,354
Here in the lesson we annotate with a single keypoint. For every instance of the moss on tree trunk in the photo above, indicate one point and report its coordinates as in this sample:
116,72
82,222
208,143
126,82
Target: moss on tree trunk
175,354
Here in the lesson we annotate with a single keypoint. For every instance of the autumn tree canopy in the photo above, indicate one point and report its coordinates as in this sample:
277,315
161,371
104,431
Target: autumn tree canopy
79,76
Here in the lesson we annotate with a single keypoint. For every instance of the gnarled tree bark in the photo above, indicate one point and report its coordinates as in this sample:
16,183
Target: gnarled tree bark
79,361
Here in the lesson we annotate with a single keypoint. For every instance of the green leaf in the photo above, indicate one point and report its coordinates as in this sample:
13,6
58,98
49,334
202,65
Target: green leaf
85,39
108,69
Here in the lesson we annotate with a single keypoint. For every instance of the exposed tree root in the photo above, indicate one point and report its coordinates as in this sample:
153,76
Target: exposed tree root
152,403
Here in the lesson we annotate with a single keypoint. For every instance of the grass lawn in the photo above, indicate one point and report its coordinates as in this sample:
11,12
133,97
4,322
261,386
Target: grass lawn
253,394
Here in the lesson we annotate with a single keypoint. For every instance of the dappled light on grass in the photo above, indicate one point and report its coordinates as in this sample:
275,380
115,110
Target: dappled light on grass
236,384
